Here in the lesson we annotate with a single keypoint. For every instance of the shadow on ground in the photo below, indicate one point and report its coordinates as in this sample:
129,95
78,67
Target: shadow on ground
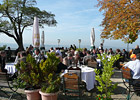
120,90
6,94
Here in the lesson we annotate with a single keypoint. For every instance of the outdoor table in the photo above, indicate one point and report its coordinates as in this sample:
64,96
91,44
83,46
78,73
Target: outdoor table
87,75
11,68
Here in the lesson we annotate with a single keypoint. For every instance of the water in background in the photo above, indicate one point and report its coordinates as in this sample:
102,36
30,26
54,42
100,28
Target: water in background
47,47
14,46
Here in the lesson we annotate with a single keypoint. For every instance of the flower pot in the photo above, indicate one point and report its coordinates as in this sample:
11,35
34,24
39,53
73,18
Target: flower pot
33,94
48,96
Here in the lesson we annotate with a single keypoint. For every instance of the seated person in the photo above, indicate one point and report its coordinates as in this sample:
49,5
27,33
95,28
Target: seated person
83,53
87,58
135,67
43,55
133,58
77,58
93,53
22,57
60,67
68,60
37,55
17,57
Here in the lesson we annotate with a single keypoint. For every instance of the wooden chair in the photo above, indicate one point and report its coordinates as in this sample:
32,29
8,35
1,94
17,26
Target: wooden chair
75,70
126,73
121,65
129,82
92,64
71,85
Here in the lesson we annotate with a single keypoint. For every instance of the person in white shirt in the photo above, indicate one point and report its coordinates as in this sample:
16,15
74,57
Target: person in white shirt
52,50
58,51
37,55
17,57
133,58
135,67
68,60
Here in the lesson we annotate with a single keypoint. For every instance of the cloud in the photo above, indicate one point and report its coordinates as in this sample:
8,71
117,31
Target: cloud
85,11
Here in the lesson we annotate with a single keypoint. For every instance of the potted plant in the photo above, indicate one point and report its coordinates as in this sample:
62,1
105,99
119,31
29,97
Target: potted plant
50,80
29,77
106,86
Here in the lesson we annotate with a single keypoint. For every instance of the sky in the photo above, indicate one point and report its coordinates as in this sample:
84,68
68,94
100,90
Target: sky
75,20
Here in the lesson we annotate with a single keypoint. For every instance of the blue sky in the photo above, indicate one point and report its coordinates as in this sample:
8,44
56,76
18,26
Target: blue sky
75,20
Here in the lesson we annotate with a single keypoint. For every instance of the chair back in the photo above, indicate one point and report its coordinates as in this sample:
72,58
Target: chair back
126,73
71,81
92,64
133,84
75,70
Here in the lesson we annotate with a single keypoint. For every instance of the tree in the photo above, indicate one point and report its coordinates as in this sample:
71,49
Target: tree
16,15
121,19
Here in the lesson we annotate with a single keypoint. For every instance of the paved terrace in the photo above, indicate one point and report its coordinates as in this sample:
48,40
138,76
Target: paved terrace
119,93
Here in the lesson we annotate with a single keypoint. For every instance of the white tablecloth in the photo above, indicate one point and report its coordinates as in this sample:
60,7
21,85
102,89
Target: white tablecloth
88,76
11,68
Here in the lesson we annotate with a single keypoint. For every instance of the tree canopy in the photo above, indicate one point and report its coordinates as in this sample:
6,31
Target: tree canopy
121,19
16,15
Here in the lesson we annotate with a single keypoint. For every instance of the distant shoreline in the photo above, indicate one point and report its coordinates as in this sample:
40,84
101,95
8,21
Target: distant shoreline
14,46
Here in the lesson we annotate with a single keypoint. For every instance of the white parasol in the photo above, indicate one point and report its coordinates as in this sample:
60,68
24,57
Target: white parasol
42,39
92,37
36,35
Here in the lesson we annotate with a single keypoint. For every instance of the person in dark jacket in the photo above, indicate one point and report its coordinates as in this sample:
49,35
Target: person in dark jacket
9,53
3,61
136,50
125,55
60,67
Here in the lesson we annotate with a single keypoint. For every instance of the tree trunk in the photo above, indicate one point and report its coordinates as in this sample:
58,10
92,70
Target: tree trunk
20,43
20,46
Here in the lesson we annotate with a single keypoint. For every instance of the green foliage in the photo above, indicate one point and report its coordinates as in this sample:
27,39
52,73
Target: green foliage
119,21
105,84
16,15
22,12
29,73
79,49
3,47
51,80
33,75
99,97
53,84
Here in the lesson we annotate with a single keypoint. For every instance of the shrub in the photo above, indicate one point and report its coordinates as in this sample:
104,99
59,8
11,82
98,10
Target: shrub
105,84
